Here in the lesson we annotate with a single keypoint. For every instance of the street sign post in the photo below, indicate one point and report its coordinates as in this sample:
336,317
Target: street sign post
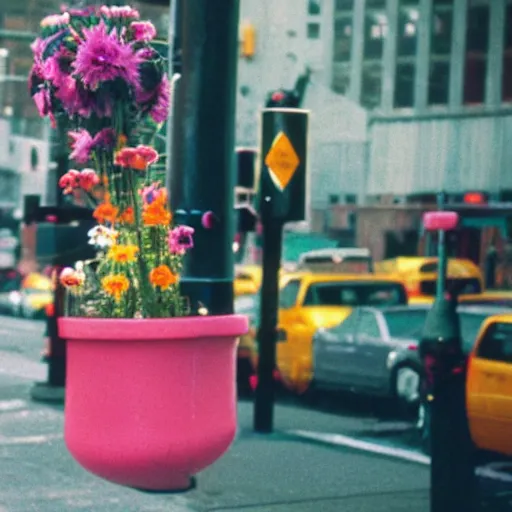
281,199
452,468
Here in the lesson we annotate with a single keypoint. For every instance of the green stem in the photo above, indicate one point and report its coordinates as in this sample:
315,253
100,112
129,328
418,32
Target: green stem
140,256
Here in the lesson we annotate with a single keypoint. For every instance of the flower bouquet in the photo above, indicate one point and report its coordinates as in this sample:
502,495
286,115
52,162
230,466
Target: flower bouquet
144,378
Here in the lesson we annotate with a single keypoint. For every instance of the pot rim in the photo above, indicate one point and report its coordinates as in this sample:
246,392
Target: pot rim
145,329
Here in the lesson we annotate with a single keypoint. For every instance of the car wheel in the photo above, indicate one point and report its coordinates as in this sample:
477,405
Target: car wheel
407,388
311,395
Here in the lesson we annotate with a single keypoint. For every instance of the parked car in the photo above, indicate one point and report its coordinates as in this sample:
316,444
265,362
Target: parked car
247,279
348,260
308,301
419,275
375,350
247,305
489,387
10,291
36,294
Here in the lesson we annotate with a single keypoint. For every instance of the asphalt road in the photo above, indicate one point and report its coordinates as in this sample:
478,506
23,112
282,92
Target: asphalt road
342,455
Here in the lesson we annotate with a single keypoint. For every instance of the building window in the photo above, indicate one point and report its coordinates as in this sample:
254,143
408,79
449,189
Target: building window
408,16
507,57
313,30
440,51
341,78
477,42
442,25
314,7
404,85
439,82
344,5
407,37
371,85
342,39
375,31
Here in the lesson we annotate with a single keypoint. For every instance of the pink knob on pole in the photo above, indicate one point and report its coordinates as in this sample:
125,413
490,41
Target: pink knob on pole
440,221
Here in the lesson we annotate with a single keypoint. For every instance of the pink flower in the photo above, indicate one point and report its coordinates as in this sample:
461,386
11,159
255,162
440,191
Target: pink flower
160,110
88,179
181,239
55,20
152,193
70,181
43,102
38,46
81,144
149,154
53,72
136,158
124,11
102,57
143,30
72,100
105,139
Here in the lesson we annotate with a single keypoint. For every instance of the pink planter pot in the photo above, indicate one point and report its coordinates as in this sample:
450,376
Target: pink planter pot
150,402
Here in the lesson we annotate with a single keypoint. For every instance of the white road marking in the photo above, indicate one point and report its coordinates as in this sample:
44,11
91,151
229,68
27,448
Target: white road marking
16,365
398,453
12,405
350,442
5,441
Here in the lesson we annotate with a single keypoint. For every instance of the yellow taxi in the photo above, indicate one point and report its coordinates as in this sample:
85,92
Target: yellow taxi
501,298
309,301
489,386
419,275
247,279
36,294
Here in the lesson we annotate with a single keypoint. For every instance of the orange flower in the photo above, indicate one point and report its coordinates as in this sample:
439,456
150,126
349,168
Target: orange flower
123,253
128,216
162,277
116,285
156,214
71,278
106,212
121,141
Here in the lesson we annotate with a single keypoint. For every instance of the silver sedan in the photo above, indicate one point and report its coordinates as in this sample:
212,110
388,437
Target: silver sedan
375,350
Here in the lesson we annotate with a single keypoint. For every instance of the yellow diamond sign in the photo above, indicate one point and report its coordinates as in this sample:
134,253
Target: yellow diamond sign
282,161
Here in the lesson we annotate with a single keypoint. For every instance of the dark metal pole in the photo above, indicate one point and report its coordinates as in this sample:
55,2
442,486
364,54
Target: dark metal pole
202,174
282,195
452,470
442,263
57,357
267,334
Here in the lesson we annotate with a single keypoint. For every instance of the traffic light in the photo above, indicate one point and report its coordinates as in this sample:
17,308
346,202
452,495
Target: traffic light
246,218
246,168
282,98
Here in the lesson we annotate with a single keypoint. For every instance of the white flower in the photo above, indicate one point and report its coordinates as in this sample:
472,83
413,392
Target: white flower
102,237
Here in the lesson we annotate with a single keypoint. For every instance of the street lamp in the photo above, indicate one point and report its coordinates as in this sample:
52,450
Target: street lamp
452,472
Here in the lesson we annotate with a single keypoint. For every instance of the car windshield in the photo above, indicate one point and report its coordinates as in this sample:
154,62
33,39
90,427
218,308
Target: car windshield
406,323
355,294
470,326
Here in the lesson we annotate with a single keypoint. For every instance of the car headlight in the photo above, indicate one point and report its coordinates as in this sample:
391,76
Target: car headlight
15,298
